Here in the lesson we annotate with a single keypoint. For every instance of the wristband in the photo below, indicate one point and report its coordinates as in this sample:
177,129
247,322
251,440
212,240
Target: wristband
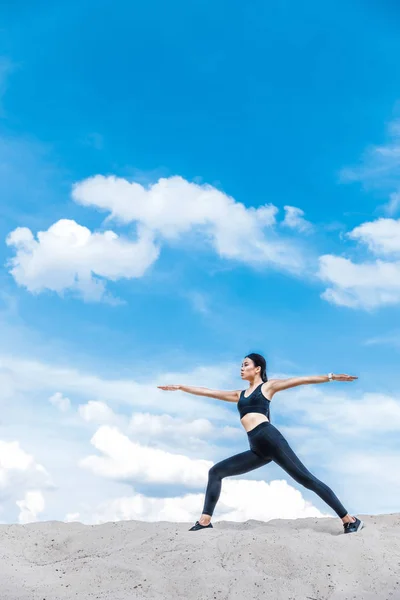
330,376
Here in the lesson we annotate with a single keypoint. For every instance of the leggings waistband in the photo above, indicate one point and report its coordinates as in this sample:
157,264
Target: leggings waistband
257,428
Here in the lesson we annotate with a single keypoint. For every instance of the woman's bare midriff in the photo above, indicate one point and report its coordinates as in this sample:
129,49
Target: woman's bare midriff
251,420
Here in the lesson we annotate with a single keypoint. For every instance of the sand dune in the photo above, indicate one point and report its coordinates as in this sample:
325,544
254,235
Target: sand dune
304,559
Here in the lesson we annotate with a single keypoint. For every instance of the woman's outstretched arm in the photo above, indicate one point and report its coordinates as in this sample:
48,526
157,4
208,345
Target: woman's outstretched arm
228,396
277,385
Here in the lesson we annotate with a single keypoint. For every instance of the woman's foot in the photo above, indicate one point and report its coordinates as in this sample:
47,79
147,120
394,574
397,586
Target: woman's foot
202,523
353,526
198,525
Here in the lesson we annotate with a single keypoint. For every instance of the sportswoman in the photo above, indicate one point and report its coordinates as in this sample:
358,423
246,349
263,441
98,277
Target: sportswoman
266,442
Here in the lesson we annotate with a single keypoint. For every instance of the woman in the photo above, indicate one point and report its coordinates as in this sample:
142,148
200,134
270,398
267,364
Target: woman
266,442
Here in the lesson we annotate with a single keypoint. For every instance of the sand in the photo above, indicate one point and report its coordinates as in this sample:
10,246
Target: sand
304,559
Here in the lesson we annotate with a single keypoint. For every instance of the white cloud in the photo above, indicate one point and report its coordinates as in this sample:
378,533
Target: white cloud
173,206
294,218
370,476
70,257
158,428
381,236
364,285
40,376
18,472
163,431
358,416
123,459
14,461
175,428
97,412
240,501
31,506
371,283
58,400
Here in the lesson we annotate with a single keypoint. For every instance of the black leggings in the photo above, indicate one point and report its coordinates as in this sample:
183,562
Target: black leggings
267,444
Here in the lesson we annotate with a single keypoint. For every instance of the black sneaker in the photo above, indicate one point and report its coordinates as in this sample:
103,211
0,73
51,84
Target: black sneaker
353,527
197,526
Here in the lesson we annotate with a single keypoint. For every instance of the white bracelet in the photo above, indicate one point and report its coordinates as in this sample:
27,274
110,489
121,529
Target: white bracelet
330,376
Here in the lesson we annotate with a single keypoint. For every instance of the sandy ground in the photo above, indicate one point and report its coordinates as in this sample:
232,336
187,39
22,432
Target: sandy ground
304,559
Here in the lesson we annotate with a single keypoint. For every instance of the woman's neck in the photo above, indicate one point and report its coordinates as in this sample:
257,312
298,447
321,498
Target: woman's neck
255,383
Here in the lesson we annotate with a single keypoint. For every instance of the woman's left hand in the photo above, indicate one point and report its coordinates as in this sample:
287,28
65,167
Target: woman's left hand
343,377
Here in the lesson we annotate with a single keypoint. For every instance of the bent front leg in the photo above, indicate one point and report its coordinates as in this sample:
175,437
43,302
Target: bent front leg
234,465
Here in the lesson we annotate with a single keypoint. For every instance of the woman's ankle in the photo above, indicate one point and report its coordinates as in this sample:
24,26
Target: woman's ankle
348,519
204,519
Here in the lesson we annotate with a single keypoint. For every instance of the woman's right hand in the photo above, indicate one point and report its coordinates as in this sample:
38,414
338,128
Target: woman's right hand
171,388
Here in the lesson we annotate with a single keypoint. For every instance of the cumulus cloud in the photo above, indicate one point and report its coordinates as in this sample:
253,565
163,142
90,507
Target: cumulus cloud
61,402
159,429
151,426
372,283
365,285
123,459
240,501
31,506
19,472
294,219
97,412
15,464
163,431
70,257
381,236
173,206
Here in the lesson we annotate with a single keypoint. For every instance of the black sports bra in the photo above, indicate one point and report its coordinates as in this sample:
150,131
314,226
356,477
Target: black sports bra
256,402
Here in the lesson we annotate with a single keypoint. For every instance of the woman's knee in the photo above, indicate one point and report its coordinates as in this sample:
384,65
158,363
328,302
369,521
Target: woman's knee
215,472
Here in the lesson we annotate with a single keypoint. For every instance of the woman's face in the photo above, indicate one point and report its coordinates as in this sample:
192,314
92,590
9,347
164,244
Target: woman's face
248,370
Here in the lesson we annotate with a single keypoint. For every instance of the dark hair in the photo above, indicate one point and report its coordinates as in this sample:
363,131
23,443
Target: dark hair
259,361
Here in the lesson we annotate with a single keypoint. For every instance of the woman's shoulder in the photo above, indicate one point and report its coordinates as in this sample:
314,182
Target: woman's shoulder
267,389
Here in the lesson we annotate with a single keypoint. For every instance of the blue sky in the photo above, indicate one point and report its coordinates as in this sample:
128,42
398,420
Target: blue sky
244,162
